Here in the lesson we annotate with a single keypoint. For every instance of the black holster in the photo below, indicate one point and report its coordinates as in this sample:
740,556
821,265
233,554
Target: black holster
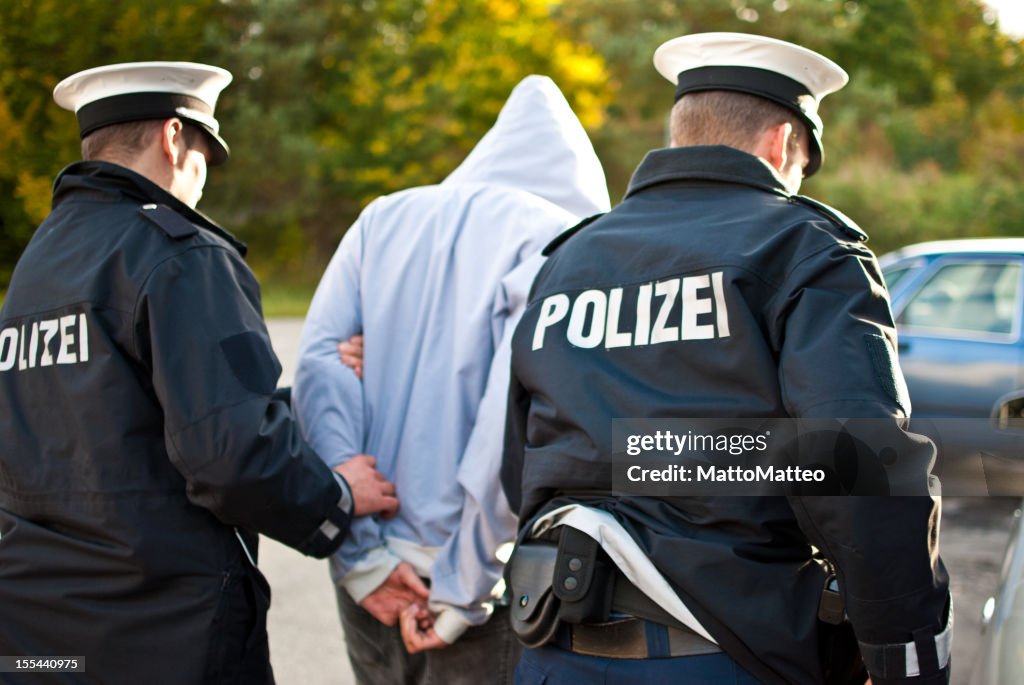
841,663
572,580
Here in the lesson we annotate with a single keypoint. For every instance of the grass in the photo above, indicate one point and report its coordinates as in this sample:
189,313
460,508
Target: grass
279,300
285,300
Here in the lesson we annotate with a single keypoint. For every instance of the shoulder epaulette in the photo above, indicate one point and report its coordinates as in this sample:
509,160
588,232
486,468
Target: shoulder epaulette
844,222
568,233
169,221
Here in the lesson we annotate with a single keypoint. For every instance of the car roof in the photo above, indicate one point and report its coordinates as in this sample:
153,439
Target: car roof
966,246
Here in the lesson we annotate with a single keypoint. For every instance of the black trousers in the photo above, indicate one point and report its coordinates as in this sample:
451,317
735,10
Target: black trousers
239,648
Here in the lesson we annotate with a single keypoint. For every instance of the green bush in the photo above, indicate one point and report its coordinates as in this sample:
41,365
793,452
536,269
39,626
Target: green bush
898,208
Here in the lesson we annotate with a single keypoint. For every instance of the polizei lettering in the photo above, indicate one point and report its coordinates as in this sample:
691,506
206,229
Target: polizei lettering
50,342
688,308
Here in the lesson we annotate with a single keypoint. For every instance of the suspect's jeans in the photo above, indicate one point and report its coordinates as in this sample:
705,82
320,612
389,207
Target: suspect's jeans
482,655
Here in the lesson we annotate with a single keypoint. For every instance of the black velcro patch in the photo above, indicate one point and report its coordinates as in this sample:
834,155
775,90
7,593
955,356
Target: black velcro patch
169,221
251,360
887,369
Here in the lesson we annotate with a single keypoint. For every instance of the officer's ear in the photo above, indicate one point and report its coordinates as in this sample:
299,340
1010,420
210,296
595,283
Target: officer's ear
172,141
775,147
782,147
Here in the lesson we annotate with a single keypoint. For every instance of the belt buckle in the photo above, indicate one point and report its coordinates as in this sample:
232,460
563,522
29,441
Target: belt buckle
623,638
636,638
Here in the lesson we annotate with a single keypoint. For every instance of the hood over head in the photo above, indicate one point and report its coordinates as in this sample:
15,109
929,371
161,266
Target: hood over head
538,145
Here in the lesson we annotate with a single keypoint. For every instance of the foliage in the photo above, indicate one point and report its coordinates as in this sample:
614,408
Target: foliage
927,140
332,104
897,208
41,42
359,99
626,33
336,103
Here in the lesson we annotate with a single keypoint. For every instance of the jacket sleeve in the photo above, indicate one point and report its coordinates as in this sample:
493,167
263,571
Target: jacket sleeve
328,399
467,567
199,328
837,337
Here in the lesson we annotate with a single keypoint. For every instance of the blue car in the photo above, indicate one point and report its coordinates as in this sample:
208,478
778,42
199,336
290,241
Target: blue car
959,306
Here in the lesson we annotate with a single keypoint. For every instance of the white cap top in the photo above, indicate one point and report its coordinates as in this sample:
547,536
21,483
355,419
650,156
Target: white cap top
817,73
788,74
136,91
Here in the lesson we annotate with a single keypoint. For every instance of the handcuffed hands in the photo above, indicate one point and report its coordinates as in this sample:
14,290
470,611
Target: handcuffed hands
417,626
402,589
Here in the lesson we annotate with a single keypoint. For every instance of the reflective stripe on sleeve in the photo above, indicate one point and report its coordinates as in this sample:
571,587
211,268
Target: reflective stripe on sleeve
901,660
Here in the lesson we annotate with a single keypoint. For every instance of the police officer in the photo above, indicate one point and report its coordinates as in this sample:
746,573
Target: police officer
142,445
714,290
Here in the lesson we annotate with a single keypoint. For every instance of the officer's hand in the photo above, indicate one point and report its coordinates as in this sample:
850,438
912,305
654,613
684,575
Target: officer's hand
418,634
402,589
371,491
351,353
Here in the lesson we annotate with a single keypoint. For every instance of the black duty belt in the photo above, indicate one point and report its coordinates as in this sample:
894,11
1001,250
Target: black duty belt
568,591
632,638
644,630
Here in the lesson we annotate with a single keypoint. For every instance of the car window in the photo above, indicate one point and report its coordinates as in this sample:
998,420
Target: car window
976,297
897,273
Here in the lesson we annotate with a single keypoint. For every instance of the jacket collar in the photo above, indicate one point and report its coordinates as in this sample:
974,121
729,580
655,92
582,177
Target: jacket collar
113,182
705,163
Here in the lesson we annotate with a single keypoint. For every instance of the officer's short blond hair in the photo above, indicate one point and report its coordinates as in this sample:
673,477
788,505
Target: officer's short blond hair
721,117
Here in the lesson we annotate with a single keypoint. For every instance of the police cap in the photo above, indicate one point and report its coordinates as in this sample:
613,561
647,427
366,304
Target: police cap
791,75
136,91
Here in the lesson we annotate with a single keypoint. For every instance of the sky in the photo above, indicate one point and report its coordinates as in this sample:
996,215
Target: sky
1011,15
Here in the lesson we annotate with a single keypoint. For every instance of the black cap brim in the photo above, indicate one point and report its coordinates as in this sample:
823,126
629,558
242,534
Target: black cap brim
218,147
119,109
769,85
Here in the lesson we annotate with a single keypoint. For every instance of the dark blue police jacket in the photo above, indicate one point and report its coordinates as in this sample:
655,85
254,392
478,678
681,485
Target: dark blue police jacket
137,433
792,320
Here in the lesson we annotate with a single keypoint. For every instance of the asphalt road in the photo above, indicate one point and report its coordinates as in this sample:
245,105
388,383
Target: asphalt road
307,645
973,537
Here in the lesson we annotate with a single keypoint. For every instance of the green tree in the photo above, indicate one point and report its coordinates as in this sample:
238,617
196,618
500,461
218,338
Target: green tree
925,142
342,102
336,103
41,42
626,34
885,46
332,105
